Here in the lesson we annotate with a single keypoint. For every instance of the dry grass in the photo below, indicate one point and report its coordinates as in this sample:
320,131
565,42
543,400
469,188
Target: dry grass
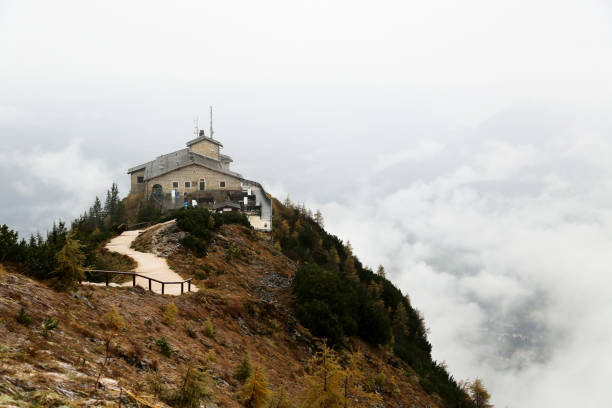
243,323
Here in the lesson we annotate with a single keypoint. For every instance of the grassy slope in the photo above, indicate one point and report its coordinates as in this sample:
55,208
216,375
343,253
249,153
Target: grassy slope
67,362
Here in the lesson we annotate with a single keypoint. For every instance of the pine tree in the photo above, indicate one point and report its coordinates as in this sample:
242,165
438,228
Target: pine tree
69,268
96,213
381,271
288,203
256,392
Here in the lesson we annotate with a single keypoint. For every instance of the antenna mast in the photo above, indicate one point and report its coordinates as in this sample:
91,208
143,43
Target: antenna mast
196,126
211,126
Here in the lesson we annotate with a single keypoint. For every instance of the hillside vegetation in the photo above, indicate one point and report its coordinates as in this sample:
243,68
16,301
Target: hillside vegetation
338,297
291,319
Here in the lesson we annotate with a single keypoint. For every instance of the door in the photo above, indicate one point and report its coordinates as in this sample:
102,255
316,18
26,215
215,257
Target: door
202,185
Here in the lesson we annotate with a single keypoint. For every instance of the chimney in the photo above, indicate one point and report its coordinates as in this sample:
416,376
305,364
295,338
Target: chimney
202,133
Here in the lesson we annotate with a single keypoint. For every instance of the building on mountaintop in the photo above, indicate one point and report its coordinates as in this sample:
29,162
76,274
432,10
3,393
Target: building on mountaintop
200,175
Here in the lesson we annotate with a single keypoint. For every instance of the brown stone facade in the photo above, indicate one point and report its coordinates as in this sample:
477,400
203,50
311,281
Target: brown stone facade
206,148
193,174
134,178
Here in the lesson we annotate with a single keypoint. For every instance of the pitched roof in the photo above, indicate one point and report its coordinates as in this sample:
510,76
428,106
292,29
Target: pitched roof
204,138
175,160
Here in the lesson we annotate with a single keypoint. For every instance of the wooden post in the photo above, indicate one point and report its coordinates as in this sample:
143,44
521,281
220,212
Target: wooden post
149,285
189,285
133,280
106,278
163,284
182,288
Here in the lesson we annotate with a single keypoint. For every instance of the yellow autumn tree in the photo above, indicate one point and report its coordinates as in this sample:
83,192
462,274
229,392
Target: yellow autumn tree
256,391
354,395
69,270
326,382
479,394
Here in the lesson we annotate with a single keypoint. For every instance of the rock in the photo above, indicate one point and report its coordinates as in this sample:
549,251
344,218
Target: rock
83,299
244,327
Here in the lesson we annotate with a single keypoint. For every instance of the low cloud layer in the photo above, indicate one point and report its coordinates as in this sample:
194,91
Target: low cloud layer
392,117
506,250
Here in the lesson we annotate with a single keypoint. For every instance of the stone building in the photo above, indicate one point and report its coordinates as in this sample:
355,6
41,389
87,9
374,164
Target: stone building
200,175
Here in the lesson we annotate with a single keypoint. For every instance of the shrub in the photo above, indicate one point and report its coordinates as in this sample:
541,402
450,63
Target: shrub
112,320
194,391
200,223
375,383
24,318
164,347
233,252
48,324
244,369
170,316
190,332
211,356
209,329
197,246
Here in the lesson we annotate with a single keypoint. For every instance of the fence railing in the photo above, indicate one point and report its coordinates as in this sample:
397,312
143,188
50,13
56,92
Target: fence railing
135,274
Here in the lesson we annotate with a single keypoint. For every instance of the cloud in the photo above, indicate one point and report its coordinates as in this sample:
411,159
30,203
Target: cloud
464,145
507,254
46,185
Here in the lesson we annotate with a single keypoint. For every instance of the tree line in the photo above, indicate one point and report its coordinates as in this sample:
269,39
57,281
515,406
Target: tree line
59,256
338,297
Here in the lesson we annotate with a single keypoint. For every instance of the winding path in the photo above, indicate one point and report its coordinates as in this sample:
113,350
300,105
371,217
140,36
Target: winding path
148,264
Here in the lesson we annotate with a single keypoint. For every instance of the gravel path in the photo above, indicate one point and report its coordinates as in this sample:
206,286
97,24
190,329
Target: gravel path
148,264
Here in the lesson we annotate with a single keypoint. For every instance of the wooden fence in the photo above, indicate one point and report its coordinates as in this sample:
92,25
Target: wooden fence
134,275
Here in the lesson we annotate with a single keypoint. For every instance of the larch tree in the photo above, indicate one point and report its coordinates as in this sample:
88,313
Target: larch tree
479,394
256,391
318,218
354,394
70,260
112,323
381,271
325,384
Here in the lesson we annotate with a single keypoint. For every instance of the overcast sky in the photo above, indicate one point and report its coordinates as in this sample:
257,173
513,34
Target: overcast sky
464,145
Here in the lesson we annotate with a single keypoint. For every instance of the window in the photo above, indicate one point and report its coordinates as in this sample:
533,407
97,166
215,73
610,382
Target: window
175,184
222,184
188,184
140,179
202,185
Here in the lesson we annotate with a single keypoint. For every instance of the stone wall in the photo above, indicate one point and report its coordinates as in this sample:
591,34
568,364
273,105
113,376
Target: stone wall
137,187
206,148
194,174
